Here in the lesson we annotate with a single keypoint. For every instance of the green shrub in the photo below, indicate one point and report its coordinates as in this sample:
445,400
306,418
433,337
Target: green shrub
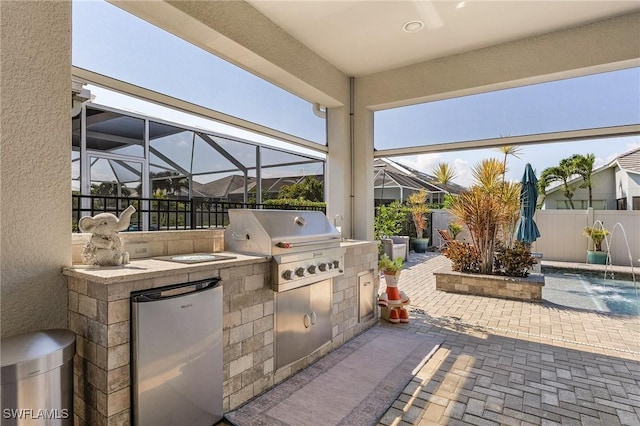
389,220
464,257
391,267
293,202
515,261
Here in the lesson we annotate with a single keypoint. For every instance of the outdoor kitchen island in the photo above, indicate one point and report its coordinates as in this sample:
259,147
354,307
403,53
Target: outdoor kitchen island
99,314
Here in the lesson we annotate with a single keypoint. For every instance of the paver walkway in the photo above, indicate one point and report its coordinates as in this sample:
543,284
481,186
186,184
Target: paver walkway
516,363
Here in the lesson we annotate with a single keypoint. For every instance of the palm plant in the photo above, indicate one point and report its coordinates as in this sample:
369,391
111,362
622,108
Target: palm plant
418,208
513,150
486,209
511,203
561,173
454,228
596,235
583,165
444,173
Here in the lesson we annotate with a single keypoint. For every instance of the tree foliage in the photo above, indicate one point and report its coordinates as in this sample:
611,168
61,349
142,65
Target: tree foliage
583,166
577,164
309,188
171,182
389,220
419,209
487,209
444,173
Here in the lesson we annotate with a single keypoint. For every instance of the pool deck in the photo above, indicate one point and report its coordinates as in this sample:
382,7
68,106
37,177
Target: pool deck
516,363
506,362
589,267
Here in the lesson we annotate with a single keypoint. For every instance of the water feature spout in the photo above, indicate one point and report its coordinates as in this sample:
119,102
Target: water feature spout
608,242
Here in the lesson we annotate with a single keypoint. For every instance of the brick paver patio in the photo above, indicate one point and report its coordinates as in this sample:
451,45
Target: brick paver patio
516,363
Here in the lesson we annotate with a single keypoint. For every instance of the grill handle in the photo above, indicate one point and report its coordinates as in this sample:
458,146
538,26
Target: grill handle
284,244
307,321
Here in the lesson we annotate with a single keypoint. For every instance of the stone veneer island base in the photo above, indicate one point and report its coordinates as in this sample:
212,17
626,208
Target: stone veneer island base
528,289
99,314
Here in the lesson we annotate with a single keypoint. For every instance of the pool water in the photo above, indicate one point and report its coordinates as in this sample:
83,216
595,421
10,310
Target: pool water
590,291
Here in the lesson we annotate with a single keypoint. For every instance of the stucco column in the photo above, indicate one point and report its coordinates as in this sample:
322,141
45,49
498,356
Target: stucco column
338,173
363,208
35,164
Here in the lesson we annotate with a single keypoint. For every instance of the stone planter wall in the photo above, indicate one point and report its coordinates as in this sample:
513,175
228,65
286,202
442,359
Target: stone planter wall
528,289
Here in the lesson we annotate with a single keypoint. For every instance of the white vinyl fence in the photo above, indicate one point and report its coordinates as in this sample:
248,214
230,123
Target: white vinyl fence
561,235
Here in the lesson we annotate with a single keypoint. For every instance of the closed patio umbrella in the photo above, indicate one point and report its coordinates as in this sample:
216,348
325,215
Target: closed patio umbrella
527,230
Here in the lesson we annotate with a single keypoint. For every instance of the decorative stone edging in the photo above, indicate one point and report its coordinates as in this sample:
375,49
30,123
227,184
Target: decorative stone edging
528,288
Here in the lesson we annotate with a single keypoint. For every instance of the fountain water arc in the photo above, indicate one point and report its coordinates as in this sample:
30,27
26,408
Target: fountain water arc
608,239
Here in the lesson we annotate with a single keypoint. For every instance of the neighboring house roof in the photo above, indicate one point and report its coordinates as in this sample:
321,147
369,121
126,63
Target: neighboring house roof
411,178
630,161
220,188
389,177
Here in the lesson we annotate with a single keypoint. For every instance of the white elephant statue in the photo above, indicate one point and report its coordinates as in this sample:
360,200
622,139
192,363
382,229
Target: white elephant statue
104,248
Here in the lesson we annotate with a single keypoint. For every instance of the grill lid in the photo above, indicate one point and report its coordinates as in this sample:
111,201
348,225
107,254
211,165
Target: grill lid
268,232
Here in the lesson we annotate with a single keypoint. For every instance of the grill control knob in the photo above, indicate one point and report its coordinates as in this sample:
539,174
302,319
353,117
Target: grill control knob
287,274
336,264
322,267
300,272
312,269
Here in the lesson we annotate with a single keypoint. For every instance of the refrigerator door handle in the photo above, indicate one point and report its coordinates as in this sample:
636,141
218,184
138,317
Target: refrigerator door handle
175,291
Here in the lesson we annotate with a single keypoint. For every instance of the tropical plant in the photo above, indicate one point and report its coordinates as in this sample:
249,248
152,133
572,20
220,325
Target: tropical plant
511,200
444,173
110,189
464,257
486,208
389,220
454,228
171,182
309,188
448,201
390,267
596,235
583,166
296,202
561,173
507,150
515,261
419,209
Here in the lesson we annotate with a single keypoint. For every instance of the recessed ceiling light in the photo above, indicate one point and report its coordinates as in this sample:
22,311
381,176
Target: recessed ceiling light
461,5
413,26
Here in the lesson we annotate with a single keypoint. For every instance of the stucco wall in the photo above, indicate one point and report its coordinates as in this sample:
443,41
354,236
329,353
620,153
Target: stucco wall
634,188
603,186
35,165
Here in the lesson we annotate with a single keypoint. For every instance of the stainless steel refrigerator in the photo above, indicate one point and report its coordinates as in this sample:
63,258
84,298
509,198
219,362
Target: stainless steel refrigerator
176,354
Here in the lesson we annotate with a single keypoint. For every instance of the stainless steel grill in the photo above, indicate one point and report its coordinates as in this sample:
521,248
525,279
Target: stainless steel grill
306,254
305,246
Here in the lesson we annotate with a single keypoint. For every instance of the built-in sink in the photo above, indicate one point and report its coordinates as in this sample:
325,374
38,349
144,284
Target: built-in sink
195,257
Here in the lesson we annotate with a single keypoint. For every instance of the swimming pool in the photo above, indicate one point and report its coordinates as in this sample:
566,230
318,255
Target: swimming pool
589,290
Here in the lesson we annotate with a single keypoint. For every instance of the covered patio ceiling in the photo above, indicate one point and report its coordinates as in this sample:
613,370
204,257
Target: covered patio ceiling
361,38
307,47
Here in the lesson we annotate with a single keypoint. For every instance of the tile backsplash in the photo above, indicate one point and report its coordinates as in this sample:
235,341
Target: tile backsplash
159,243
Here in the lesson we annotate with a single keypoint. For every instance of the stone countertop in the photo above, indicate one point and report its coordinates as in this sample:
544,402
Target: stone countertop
154,267
151,268
351,243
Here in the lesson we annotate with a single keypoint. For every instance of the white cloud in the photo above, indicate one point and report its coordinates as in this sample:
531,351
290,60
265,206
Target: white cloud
424,162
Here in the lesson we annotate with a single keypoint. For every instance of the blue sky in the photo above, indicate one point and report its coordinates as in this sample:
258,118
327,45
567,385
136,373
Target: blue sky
124,47
115,43
540,156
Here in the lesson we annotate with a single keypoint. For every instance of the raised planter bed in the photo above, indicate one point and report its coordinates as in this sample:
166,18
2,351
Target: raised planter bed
528,289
